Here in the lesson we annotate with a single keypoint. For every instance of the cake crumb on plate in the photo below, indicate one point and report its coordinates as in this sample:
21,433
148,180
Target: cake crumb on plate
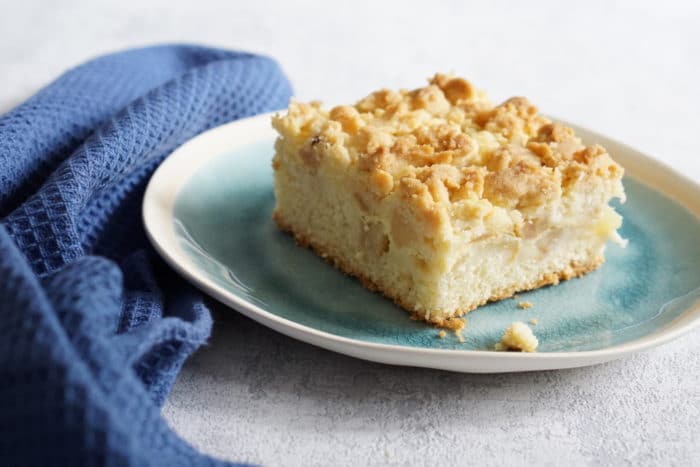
525,305
518,336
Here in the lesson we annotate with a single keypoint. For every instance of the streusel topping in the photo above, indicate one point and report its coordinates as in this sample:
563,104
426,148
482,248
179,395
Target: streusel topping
446,142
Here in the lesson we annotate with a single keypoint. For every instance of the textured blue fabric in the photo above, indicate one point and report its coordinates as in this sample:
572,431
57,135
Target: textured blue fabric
93,326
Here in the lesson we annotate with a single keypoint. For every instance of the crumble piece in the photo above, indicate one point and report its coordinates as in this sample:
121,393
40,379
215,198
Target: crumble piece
518,336
525,305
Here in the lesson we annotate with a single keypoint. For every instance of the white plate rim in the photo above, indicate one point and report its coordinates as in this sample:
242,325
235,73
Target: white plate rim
174,172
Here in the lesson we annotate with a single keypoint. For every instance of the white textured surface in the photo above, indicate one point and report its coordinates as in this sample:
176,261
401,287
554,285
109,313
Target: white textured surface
627,69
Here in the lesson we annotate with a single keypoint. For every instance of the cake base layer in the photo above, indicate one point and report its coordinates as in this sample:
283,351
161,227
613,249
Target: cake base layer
572,270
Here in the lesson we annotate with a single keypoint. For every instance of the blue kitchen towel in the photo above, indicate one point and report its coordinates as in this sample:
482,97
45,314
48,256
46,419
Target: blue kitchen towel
93,327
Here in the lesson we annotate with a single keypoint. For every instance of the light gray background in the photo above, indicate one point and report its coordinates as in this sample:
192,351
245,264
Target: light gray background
627,69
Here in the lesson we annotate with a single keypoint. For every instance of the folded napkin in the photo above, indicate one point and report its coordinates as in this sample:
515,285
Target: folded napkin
93,326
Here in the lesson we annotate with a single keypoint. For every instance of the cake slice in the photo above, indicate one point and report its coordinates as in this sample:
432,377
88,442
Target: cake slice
439,199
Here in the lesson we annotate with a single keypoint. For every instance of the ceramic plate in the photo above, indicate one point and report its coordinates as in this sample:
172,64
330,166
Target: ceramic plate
207,211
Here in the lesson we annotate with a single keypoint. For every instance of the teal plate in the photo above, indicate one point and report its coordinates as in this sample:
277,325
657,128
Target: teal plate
208,211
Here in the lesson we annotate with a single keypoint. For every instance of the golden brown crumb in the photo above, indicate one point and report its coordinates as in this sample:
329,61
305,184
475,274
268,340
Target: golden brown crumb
441,334
348,117
534,321
518,336
455,89
525,305
453,324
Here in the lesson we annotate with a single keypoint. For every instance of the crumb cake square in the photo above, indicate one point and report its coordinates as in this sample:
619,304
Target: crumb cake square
441,200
